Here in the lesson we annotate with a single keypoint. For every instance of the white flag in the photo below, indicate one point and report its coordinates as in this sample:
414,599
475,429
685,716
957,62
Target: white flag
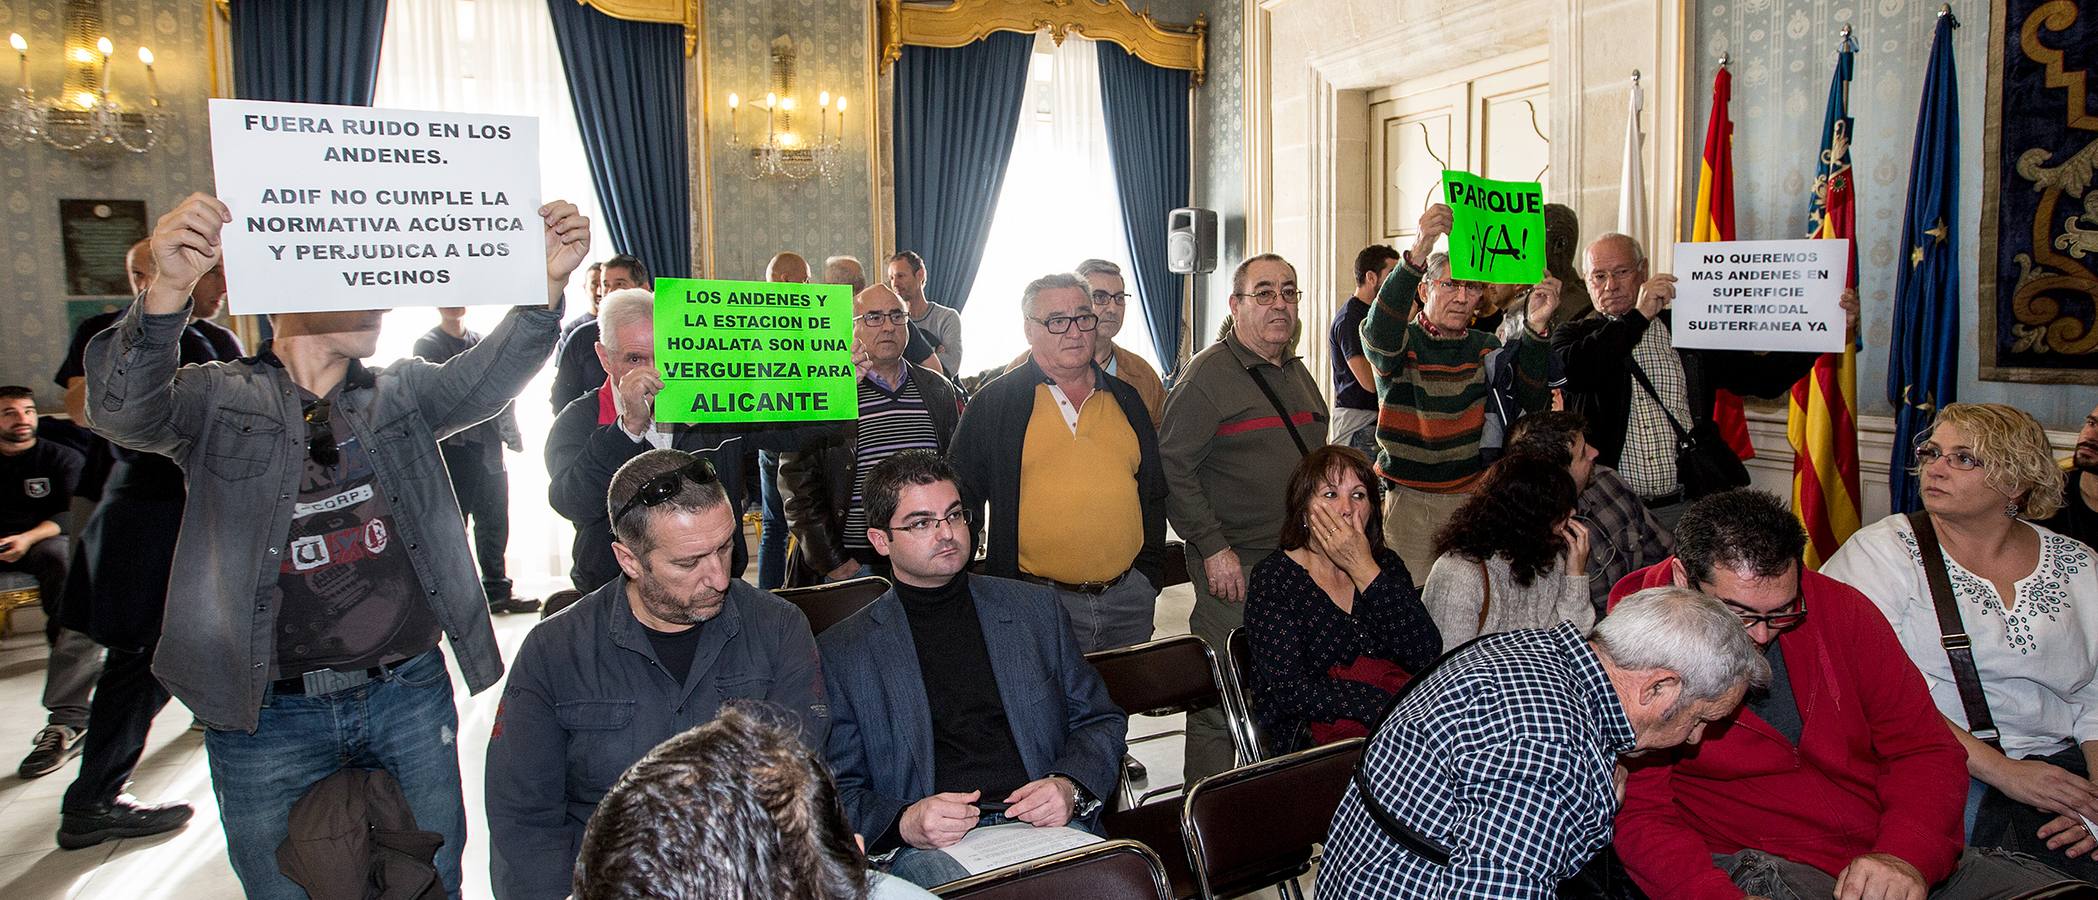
1631,198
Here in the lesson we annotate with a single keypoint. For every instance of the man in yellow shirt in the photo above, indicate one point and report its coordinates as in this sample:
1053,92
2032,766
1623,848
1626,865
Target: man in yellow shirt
1066,458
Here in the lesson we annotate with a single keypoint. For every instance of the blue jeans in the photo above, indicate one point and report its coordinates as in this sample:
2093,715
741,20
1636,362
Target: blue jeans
772,537
403,723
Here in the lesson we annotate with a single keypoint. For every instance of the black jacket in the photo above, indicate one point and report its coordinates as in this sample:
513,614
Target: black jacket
582,455
987,454
1597,351
815,484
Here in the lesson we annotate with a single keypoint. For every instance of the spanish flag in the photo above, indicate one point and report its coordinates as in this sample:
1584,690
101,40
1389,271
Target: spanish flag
1823,423
1714,221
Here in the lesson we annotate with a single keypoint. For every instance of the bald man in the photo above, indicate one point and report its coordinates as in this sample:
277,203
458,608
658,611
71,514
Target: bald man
787,268
902,407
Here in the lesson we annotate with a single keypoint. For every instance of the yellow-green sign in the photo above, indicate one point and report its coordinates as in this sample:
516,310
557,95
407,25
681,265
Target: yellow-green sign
754,351
1497,229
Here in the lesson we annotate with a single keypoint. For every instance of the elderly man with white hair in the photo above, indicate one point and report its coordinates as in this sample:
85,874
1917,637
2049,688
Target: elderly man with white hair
1495,774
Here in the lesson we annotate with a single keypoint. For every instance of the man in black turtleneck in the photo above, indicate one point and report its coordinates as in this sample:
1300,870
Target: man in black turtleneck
957,700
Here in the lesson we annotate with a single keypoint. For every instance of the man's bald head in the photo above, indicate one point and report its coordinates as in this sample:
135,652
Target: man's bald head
846,270
787,267
885,336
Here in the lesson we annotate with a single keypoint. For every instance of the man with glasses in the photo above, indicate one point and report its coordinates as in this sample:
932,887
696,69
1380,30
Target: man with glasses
1841,779
321,554
1111,298
1065,457
1432,386
2078,517
1239,418
654,652
902,407
957,700
1628,330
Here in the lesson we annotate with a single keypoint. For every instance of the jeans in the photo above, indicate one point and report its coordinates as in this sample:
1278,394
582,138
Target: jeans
1117,617
483,490
402,722
1355,428
772,533
1982,875
926,868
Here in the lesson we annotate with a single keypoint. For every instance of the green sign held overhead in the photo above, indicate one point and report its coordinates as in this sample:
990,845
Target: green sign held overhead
1497,229
754,351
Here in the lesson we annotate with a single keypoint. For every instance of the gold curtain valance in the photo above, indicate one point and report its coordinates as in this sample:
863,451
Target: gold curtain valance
667,12
963,22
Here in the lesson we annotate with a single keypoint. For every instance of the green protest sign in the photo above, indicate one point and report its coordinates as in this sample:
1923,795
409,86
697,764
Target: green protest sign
754,351
1497,232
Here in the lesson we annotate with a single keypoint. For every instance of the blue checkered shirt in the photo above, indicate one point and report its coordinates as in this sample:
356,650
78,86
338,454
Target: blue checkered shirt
1503,756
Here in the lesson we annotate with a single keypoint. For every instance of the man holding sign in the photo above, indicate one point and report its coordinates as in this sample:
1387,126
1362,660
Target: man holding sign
321,555
1627,336
1432,372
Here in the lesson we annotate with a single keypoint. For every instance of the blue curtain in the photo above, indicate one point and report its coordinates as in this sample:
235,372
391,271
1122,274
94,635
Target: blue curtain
1146,109
956,113
627,80
307,52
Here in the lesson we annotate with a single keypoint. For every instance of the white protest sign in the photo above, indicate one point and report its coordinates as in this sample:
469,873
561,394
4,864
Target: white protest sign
349,207
1761,295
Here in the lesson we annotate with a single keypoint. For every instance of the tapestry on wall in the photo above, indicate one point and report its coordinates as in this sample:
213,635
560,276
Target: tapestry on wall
2039,226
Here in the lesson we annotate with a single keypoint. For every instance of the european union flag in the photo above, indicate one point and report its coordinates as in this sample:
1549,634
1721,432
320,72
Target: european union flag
1923,371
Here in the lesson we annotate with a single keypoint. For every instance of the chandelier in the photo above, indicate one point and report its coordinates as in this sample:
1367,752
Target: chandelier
83,117
784,152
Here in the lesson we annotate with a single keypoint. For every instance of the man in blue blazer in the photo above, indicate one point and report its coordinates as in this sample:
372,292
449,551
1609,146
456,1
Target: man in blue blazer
958,700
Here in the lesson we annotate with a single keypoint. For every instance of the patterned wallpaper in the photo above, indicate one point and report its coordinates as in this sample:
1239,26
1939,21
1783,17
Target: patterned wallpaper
1220,156
754,219
33,303
1783,53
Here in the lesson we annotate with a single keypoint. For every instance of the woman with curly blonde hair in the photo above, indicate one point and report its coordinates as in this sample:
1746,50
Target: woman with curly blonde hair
2027,599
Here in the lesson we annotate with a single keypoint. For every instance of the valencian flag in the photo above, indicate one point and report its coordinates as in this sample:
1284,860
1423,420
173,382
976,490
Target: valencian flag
1823,425
1923,363
1714,221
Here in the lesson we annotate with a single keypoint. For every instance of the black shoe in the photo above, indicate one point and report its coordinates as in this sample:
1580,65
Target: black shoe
1135,770
125,817
55,744
512,605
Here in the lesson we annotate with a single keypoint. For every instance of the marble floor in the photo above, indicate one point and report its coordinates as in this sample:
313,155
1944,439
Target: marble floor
191,862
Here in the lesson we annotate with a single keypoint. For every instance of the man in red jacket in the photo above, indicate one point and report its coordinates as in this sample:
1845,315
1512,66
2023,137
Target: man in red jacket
1841,780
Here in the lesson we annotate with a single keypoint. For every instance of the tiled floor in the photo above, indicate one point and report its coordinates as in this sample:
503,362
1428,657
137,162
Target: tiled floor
191,863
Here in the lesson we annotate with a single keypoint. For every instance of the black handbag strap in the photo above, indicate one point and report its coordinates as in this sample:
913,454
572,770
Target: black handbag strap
1421,845
1953,633
1276,401
1682,435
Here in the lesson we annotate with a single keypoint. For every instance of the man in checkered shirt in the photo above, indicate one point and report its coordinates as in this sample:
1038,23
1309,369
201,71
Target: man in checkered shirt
1495,777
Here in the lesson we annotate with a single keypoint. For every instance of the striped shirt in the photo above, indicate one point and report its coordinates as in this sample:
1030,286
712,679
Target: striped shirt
1432,391
1503,756
890,422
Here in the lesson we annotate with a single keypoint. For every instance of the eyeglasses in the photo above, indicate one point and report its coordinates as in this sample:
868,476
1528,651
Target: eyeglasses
321,446
1061,324
1474,288
1102,298
1960,459
1792,614
958,519
658,489
892,317
1269,296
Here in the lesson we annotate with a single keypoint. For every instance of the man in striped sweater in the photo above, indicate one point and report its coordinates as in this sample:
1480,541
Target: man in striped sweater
1432,382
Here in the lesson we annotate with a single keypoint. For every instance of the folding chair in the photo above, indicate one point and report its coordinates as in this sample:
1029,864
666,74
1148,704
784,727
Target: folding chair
1255,826
1169,675
1114,870
1238,655
829,604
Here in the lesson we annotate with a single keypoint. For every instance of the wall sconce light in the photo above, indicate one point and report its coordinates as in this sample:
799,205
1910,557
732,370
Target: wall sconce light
83,117
785,152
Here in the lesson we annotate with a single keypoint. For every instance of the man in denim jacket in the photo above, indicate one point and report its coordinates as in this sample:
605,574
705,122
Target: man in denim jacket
320,554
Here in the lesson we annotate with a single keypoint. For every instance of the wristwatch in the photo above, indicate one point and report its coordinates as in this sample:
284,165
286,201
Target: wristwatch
1083,803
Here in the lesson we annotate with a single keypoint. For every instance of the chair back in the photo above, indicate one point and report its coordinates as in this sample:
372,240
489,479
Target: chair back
1156,678
829,604
1111,870
1255,825
1238,656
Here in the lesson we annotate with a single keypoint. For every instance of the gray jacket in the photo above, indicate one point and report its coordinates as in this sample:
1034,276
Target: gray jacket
237,431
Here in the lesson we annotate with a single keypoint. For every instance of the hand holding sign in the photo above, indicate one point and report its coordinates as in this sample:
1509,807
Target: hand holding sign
1655,295
637,398
567,244
1497,229
1544,301
184,246
1435,222
1849,302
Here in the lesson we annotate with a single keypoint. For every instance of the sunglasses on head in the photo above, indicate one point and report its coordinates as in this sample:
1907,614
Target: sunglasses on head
658,489
321,446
